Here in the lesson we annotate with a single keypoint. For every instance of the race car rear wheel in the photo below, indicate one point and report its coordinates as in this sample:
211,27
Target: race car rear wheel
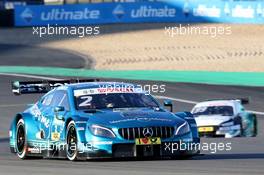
255,125
21,146
72,141
238,121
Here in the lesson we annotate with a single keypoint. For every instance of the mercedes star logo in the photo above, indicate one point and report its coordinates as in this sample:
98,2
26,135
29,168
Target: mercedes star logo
148,132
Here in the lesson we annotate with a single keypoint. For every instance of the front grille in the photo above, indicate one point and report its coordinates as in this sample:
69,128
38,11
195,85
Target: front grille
137,132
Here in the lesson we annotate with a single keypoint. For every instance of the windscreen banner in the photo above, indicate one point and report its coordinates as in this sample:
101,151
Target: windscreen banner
184,11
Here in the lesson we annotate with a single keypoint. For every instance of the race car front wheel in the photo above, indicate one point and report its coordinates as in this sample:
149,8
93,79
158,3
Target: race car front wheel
71,136
21,145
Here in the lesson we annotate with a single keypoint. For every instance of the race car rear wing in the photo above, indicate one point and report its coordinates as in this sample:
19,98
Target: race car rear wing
43,86
241,100
244,101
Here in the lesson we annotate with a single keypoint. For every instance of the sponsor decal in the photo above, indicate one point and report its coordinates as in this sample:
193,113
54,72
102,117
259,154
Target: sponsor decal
147,11
148,132
260,10
186,9
61,14
148,141
27,15
228,128
119,11
204,11
240,12
55,136
41,118
227,9
135,114
120,121
141,120
34,150
58,129
180,11
87,101
205,129
105,90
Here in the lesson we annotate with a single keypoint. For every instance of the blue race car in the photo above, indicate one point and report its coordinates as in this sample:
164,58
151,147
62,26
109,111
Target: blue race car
79,120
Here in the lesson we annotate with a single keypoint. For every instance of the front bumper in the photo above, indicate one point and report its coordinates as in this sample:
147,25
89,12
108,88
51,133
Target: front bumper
219,131
117,149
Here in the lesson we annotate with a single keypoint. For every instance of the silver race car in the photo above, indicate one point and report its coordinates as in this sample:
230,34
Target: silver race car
225,118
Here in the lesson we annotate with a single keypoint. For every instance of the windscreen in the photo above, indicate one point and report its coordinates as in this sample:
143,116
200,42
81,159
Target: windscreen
116,100
213,110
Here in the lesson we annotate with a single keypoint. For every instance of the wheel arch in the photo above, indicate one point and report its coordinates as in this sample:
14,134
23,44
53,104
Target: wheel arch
12,132
188,117
80,128
68,120
30,125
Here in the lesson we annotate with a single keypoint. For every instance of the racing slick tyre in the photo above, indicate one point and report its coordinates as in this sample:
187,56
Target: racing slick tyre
255,125
238,121
21,142
71,138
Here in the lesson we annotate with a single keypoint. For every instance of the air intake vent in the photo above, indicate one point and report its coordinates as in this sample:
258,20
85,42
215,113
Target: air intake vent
141,132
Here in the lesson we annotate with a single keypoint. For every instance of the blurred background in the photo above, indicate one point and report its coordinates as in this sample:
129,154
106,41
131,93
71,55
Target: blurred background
135,35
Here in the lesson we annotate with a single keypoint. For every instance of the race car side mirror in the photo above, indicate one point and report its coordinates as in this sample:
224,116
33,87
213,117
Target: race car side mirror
168,103
58,109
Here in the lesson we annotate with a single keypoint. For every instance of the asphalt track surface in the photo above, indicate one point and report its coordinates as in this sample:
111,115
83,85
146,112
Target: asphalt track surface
246,156
26,55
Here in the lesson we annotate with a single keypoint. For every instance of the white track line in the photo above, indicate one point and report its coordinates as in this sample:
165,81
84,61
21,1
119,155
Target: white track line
31,76
11,105
195,102
56,79
256,112
177,99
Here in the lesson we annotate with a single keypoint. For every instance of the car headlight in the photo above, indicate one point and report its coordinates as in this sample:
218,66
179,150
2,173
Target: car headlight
102,131
183,129
229,123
